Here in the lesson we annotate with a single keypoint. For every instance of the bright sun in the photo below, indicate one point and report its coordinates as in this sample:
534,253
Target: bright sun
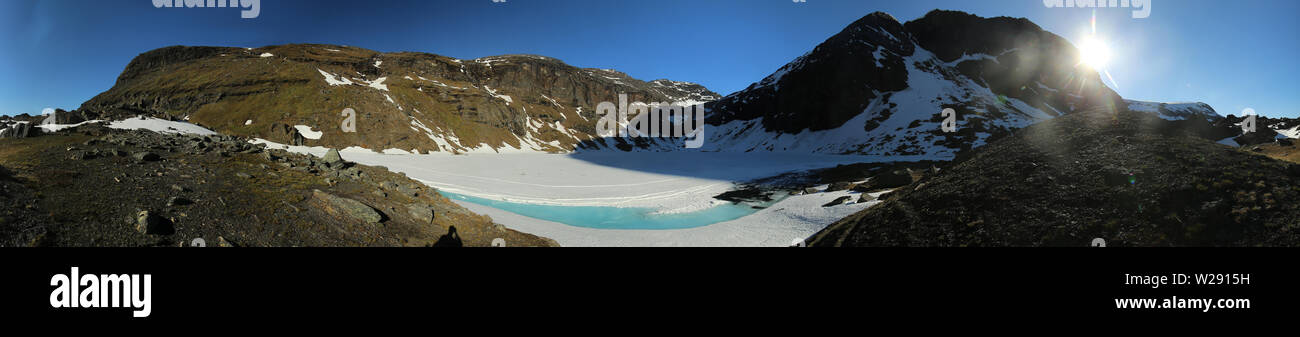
1094,53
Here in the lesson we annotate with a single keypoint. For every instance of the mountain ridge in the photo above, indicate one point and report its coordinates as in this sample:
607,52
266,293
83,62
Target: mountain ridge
509,102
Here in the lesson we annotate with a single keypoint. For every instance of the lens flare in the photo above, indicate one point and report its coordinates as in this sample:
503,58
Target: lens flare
1094,53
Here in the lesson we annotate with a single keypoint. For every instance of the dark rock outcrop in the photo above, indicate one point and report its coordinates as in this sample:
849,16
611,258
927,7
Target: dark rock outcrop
838,201
286,134
15,129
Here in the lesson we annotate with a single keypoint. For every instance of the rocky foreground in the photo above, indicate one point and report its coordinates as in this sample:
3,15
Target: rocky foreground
95,186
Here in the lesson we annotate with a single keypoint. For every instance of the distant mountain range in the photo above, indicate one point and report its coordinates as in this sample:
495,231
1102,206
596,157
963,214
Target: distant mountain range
877,88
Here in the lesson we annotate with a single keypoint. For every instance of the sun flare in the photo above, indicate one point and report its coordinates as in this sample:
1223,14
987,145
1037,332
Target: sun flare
1094,53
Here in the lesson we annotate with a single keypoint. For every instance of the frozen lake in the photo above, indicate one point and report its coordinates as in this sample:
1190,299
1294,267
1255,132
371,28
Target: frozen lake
627,199
608,217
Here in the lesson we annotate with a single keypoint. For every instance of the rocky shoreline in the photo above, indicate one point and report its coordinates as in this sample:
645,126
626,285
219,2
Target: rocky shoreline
865,178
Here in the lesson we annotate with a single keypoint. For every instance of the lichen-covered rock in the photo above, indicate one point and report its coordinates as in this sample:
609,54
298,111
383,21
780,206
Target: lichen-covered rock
349,208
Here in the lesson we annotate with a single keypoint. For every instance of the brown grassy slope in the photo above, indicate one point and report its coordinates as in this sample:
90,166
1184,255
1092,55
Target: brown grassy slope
221,88
1290,153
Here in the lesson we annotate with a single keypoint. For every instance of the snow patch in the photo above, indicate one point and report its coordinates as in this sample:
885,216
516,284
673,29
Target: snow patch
57,127
331,79
1289,133
307,132
160,126
377,83
499,96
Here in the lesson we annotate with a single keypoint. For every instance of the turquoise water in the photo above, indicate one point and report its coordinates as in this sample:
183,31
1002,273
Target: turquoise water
604,217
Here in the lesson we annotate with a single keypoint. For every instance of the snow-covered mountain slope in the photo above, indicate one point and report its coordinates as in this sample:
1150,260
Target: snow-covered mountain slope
879,87
1202,120
1267,130
1286,128
1176,111
1292,133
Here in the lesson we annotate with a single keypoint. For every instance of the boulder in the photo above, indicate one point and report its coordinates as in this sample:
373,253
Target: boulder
287,134
839,186
151,223
332,158
79,155
422,213
178,201
146,156
410,190
353,209
351,172
838,201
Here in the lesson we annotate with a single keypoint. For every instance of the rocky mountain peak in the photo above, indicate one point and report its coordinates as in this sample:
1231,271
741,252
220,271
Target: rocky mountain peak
952,34
878,87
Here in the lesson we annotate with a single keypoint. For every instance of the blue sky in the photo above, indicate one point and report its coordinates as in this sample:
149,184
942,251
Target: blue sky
1230,54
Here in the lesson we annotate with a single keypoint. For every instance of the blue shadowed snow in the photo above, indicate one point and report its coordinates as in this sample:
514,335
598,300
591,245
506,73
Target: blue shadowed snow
605,217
